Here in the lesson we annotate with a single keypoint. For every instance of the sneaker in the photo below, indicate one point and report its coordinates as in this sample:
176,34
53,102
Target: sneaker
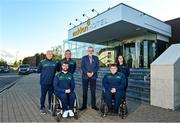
83,108
71,113
43,111
65,114
49,110
95,108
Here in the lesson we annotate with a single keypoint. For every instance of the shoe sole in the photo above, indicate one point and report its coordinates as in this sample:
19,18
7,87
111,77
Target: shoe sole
43,113
82,109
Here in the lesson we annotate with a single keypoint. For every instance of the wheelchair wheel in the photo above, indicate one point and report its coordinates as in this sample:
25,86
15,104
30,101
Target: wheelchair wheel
103,107
76,109
123,110
53,105
76,115
58,109
59,117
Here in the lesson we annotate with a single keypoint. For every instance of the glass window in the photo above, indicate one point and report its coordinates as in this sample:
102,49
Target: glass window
139,52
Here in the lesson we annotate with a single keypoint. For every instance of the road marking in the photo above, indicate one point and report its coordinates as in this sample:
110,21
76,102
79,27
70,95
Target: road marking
5,76
8,86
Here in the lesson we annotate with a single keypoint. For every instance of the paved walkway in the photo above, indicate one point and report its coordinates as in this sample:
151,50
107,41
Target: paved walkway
20,103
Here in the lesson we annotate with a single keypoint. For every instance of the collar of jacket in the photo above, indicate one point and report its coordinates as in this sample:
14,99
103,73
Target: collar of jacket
48,59
64,72
90,56
114,73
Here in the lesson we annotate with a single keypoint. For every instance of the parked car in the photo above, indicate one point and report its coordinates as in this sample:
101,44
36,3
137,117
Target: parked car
34,70
24,69
1,68
4,69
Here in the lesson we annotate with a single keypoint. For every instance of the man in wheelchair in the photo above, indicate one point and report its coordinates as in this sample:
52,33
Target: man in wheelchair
64,89
113,84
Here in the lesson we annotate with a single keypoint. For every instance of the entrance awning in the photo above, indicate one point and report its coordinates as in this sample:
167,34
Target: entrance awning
120,22
120,30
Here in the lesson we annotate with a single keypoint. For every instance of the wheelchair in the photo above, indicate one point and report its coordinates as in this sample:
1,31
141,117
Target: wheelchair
122,112
57,111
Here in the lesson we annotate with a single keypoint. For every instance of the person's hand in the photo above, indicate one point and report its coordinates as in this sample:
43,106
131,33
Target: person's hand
113,90
89,74
92,74
67,91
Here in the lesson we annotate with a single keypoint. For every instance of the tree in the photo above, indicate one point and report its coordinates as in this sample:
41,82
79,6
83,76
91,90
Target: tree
17,63
3,62
57,51
37,54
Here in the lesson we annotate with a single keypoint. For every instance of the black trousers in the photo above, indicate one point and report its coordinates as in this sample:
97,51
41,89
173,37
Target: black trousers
92,83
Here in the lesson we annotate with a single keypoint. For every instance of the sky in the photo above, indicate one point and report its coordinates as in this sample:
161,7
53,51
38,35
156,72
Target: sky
28,27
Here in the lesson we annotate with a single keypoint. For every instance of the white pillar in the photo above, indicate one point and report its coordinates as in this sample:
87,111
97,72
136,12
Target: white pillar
165,79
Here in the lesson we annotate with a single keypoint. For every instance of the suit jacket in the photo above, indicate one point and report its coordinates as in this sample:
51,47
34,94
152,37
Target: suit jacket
86,66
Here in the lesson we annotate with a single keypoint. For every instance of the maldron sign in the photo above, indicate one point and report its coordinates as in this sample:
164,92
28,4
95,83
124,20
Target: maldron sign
89,26
81,29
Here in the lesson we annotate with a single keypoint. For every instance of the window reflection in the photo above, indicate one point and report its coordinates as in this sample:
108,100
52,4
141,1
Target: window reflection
138,53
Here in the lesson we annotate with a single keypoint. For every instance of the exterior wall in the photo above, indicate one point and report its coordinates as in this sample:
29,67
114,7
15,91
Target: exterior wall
162,86
143,20
165,79
33,61
177,84
30,60
138,86
175,24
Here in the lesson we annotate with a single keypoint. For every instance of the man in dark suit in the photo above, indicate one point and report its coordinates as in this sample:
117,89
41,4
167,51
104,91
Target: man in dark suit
89,66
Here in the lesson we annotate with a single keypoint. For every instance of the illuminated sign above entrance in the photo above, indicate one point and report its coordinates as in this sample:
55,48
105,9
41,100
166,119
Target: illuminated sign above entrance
81,29
88,26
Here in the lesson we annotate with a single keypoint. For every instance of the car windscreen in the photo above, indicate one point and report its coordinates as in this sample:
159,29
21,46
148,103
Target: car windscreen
24,66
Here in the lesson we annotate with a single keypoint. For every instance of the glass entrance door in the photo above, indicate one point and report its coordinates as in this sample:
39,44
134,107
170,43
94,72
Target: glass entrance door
130,54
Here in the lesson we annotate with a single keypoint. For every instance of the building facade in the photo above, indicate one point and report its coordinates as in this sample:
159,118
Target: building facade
33,61
175,25
139,37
